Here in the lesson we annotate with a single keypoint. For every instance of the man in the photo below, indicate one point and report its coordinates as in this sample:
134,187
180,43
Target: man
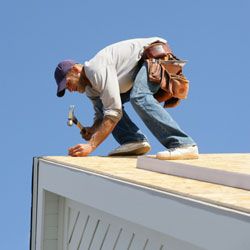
115,75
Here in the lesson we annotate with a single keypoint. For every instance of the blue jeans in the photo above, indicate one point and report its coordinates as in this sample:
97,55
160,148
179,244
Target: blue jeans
152,113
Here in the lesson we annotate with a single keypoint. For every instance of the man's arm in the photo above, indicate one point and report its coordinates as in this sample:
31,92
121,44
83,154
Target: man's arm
105,82
87,132
105,128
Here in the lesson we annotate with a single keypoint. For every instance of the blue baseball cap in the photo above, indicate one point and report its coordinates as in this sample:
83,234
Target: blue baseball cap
60,75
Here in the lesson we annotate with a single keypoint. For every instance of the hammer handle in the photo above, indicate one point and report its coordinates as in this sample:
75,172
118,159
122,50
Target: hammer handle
78,124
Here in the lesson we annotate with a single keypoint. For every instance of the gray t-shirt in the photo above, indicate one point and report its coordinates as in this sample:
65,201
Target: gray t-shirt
111,72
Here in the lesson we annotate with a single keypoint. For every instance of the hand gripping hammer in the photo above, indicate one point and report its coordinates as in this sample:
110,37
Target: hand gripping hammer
72,119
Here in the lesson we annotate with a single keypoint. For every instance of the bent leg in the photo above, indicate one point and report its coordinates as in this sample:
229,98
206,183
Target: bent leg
155,117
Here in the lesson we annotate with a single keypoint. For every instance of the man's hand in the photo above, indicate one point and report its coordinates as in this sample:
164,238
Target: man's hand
100,134
87,132
81,150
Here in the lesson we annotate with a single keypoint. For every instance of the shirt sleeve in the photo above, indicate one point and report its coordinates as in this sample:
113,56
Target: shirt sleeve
105,82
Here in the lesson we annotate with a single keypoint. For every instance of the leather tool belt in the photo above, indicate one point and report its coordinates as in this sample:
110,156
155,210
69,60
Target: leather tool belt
165,68
156,50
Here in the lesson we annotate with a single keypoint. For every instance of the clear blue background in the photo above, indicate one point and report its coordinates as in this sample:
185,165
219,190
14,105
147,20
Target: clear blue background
35,35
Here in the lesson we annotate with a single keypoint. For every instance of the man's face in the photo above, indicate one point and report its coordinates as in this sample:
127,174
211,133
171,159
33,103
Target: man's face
72,83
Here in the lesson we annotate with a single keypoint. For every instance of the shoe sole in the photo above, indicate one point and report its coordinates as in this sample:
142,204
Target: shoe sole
180,157
138,151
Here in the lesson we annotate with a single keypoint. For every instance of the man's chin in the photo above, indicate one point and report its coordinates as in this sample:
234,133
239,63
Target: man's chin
81,91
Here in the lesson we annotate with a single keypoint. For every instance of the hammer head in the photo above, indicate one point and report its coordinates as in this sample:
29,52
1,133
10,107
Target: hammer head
71,115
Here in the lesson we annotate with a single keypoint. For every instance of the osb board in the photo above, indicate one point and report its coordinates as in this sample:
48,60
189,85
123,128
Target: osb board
124,168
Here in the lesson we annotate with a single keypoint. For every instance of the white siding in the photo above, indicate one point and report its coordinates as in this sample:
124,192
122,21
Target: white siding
51,234
93,229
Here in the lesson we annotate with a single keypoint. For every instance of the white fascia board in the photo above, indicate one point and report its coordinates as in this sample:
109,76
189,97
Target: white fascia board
187,219
33,216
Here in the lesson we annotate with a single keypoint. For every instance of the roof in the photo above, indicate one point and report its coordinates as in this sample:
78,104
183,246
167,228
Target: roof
124,169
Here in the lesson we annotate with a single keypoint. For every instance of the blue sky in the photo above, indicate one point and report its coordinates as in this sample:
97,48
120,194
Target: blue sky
213,36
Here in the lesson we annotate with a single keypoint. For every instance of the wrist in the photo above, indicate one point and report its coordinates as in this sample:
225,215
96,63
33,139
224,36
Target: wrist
92,145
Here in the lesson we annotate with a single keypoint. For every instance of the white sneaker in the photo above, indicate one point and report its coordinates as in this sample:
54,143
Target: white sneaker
133,148
181,153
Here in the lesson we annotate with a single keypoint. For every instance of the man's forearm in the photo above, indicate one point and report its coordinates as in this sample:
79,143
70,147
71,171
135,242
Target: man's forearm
104,129
96,125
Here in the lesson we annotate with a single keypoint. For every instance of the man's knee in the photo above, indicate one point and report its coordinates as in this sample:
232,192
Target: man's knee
137,100
142,101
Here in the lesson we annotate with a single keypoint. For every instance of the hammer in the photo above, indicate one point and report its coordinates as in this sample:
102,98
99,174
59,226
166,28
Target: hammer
72,119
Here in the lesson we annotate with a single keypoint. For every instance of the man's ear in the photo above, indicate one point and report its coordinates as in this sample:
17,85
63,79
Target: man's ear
76,69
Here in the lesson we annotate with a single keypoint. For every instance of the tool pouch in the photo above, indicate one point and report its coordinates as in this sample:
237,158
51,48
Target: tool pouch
165,68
